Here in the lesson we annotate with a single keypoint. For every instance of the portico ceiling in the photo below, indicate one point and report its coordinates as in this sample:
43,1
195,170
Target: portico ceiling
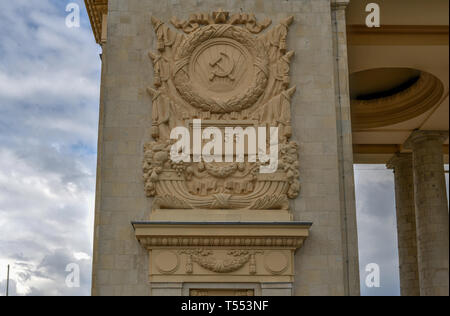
413,35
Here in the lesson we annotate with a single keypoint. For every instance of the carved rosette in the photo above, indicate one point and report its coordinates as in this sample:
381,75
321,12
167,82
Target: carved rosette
220,68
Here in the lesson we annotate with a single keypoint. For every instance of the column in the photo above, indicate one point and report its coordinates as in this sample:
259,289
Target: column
431,211
402,164
345,148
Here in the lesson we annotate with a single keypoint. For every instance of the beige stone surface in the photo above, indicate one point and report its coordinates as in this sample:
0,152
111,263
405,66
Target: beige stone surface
327,263
345,149
222,215
402,164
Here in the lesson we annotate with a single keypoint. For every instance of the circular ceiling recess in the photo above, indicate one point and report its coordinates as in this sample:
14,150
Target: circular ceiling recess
387,96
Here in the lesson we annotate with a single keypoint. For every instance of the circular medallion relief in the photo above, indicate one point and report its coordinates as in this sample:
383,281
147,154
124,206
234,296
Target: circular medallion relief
166,262
276,262
221,69
221,66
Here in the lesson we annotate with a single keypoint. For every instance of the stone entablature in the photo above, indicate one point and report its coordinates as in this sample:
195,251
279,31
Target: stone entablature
221,252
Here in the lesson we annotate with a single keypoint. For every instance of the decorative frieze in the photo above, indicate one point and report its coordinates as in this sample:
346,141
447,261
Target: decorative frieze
194,252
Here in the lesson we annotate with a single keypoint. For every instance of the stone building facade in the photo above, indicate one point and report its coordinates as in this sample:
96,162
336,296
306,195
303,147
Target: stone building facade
174,229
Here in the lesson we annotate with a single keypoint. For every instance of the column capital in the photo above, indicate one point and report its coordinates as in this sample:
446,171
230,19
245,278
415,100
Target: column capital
419,136
339,4
400,159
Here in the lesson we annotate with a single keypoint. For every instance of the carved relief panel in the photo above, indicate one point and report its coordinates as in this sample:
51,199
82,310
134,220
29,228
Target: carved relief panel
227,70
199,264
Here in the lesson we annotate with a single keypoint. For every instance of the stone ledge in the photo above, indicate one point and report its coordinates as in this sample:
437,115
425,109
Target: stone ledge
222,234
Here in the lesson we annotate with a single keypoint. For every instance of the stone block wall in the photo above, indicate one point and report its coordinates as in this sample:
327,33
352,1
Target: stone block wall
120,264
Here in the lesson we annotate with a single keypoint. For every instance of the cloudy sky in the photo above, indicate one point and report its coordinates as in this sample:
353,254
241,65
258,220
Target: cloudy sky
49,92
377,226
377,232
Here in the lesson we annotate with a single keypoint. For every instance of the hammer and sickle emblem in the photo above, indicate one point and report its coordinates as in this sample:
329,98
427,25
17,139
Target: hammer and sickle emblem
220,69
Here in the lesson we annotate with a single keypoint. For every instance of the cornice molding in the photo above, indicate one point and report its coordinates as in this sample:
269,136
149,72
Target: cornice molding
399,29
397,35
289,235
96,9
